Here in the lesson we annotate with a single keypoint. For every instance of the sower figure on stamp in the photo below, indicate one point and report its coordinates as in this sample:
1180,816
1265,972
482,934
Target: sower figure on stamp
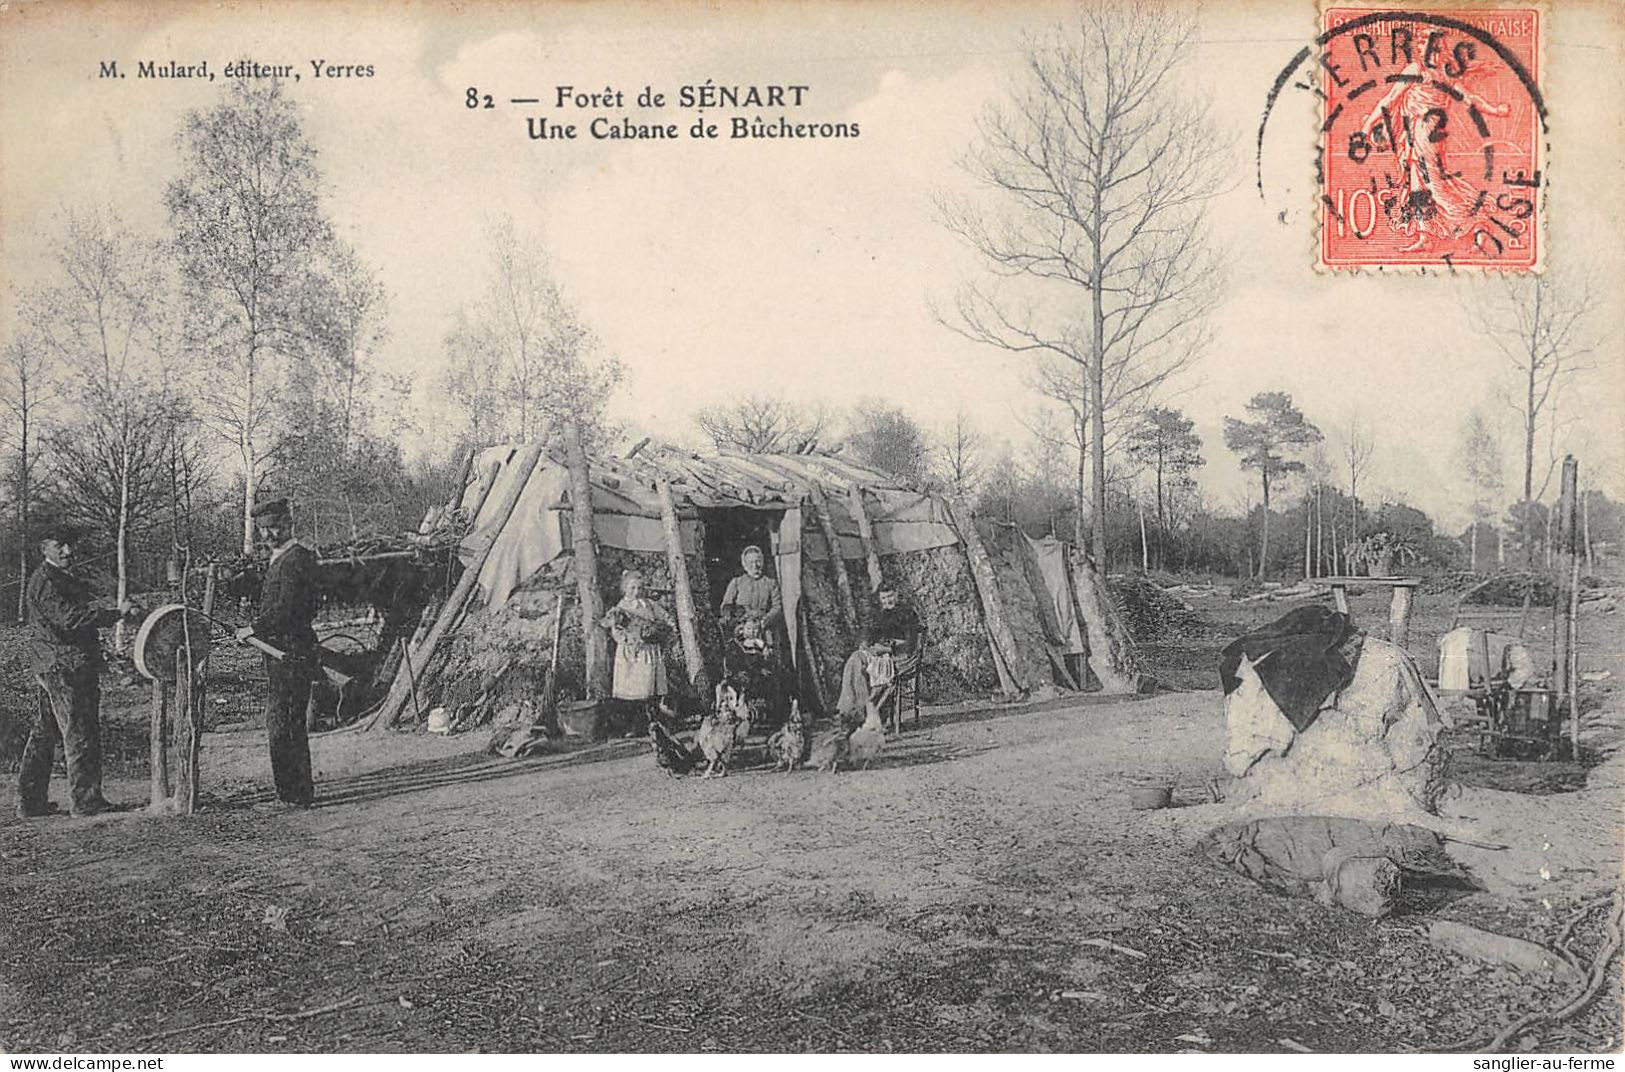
66,659
287,608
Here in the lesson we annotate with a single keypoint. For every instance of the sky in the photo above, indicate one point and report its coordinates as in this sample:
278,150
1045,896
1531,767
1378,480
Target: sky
806,269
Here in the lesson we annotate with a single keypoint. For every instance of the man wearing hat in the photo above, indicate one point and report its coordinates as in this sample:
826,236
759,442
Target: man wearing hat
287,609
66,658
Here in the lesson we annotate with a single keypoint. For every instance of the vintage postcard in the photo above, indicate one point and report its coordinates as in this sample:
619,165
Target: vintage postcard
814,527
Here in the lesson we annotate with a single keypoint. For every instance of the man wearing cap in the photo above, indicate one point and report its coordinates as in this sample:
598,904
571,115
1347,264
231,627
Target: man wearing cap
287,609
66,658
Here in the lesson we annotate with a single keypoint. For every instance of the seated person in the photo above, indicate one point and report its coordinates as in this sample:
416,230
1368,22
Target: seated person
900,625
750,614
866,682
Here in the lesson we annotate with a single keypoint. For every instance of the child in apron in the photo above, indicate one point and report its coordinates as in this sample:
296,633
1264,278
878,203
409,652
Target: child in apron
640,627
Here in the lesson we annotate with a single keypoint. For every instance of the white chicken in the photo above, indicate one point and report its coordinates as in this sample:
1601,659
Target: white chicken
864,746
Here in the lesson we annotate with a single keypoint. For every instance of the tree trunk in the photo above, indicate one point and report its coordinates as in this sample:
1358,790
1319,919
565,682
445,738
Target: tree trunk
1585,525
1162,517
1308,546
1145,547
22,528
1264,546
1097,392
123,550
1472,550
246,444
1529,425
1080,524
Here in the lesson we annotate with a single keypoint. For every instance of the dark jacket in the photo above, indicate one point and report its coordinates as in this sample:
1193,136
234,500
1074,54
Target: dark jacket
62,623
288,601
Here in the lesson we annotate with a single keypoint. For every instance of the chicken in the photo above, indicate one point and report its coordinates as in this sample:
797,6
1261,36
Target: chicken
829,749
723,729
787,745
866,741
670,753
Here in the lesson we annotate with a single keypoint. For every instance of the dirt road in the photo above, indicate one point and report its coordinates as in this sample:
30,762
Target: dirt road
985,887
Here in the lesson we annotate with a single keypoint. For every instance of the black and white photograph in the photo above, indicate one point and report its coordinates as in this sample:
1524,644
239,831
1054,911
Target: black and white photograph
1070,526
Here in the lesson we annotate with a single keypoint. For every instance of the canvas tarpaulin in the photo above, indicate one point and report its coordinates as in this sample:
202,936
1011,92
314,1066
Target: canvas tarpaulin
537,532
1049,558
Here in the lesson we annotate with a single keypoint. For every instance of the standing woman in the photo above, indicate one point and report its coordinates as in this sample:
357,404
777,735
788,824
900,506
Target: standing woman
640,627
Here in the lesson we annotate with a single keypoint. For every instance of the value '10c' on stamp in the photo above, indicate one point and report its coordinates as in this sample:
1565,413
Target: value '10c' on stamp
1432,128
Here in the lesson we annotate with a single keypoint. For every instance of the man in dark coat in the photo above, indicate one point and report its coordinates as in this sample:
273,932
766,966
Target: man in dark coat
287,609
66,659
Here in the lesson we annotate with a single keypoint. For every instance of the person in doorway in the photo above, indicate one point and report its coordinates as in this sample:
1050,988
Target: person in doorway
751,615
66,660
752,596
640,627
288,602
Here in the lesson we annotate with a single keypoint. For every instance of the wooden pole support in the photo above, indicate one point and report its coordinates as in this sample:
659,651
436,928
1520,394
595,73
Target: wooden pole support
585,547
999,637
451,610
837,561
158,734
866,533
682,594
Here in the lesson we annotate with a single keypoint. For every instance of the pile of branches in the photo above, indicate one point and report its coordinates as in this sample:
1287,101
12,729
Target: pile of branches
1151,613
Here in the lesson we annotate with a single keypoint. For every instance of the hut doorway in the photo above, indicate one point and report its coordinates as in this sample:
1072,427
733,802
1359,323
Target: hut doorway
725,535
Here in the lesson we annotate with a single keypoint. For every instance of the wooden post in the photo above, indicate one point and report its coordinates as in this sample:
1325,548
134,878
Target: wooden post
814,665
586,562
866,533
451,610
1565,653
999,638
682,594
1399,615
188,735
158,731
837,561
1340,596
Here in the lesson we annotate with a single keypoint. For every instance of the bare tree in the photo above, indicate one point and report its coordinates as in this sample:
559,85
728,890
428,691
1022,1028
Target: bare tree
104,318
763,424
1539,325
524,338
1480,452
960,457
247,226
29,386
1103,174
884,436
1358,447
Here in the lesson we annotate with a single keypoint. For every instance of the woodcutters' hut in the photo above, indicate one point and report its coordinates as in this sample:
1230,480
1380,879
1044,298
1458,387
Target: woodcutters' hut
1001,611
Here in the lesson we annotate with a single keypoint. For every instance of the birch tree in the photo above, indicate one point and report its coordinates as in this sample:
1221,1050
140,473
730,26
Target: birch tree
523,348
103,317
1480,453
1540,327
247,227
1095,238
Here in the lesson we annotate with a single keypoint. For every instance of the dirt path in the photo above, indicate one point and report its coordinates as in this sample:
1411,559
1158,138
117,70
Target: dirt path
975,890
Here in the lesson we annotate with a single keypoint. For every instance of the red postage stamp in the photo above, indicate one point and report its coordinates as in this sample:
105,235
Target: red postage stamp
1431,138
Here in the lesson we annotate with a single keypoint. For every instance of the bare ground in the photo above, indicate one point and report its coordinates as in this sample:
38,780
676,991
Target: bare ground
984,887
